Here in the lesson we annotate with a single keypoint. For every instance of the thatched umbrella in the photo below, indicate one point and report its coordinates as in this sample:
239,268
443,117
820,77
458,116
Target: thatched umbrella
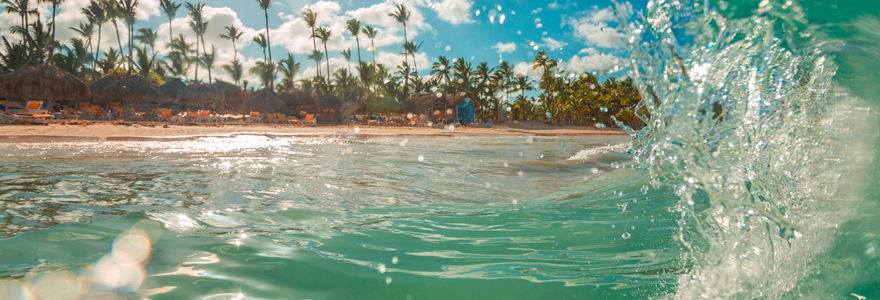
202,93
173,88
99,88
298,100
233,95
133,90
45,83
264,100
410,106
4,76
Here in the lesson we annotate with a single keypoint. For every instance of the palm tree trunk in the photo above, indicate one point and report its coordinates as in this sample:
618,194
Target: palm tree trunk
97,54
52,49
328,62
315,44
118,39
235,51
268,40
358,40
373,44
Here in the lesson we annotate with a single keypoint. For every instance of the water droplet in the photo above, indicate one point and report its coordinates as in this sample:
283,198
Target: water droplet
488,185
514,202
626,235
388,280
520,154
594,170
439,95
421,158
615,165
381,268
505,164
438,45
451,127
520,173
549,115
477,12
348,150
448,48
540,155
501,19
394,260
600,125
622,207
392,201
603,109
403,142
528,140
539,25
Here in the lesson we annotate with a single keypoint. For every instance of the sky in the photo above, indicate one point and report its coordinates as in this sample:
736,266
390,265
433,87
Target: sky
581,34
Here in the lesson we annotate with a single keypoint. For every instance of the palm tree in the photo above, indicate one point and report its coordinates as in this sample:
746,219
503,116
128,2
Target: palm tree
311,19
235,70
401,15
503,74
317,56
97,15
405,71
354,28
232,33
260,40
170,11
411,48
208,59
347,55
264,4
148,37
86,30
324,35
128,11
182,49
440,71
113,14
371,32
198,27
541,61
265,71
55,4
523,84
290,68
23,10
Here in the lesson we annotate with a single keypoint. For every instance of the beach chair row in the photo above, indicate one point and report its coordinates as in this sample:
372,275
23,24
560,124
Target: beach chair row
414,121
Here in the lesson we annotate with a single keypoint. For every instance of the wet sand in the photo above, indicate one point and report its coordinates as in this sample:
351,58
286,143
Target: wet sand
68,132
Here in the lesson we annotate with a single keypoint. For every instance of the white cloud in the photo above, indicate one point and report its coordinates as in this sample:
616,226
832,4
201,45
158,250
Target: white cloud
454,11
392,60
505,47
592,60
147,8
594,30
552,44
525,68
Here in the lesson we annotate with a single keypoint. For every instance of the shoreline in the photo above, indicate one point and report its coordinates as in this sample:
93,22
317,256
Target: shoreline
156,131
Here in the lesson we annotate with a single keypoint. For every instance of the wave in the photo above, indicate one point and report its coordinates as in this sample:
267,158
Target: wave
748,125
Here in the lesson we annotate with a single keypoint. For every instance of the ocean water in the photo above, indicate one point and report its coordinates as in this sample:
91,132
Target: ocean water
755,179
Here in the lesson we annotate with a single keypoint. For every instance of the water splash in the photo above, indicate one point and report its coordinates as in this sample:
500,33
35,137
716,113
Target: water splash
741,118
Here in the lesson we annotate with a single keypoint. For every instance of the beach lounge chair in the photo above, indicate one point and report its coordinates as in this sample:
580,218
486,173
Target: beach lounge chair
191,116
9,116
35,107
165,115
382,120
82,105
295,120
12,106
270,118
282,118
310,120
373,120
254,117
205,116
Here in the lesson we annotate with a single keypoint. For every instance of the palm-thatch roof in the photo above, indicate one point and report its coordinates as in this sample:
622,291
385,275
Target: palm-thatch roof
265,100
234,95
45,83
298,100
99,87
427,101
4,76
329,103
200,94
134,90
410,106
173,88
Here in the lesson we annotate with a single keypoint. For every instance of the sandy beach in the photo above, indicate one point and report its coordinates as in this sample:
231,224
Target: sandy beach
61,131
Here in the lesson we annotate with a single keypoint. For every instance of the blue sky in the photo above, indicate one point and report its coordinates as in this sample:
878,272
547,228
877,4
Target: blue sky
582,34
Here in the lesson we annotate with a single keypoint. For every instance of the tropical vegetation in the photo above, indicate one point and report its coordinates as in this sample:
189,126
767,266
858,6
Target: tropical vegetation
558,96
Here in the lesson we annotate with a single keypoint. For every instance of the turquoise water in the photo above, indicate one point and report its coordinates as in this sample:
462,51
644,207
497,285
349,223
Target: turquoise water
754,180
